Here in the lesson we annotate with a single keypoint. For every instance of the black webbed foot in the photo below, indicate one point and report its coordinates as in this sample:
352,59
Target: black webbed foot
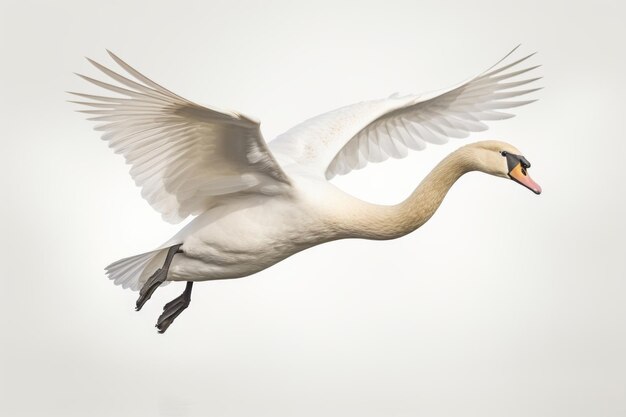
173,309
150,287
158,278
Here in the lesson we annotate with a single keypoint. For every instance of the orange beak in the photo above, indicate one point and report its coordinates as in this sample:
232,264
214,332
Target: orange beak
520,175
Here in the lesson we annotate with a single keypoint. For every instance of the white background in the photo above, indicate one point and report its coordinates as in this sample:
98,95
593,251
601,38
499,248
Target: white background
504,304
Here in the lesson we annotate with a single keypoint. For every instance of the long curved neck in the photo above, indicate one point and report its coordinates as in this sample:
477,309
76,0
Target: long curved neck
389,222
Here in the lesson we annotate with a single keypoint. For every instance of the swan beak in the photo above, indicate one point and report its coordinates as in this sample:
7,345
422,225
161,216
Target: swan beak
520,175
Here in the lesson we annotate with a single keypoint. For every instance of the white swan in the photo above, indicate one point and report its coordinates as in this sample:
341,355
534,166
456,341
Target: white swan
259,203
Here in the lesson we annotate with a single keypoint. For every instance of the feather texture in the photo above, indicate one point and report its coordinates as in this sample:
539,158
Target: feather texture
182,155
346,139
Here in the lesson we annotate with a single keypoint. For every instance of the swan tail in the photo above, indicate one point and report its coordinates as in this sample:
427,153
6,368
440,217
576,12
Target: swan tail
132,272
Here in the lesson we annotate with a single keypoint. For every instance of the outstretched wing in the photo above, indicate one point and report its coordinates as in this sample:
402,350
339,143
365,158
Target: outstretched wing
348,138
183,155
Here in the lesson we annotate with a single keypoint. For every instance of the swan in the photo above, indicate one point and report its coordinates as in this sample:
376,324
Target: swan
256,203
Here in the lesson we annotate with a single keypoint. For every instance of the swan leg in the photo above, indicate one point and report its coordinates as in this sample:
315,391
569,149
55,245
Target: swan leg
158,278
174,308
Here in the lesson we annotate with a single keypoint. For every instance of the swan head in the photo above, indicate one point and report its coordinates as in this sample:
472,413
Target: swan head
505,160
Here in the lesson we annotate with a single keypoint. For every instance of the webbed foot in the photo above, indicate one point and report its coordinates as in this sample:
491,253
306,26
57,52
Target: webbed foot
150,287
158,278
172,309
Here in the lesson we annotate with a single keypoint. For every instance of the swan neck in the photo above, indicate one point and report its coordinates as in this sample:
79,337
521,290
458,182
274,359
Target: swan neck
394,221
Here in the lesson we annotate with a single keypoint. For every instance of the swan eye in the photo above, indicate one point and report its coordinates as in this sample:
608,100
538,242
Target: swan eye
514,160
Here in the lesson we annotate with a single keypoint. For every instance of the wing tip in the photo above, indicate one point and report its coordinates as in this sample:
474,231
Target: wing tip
116,58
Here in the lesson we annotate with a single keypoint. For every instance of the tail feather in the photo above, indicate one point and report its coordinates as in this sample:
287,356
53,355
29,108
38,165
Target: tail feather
130,272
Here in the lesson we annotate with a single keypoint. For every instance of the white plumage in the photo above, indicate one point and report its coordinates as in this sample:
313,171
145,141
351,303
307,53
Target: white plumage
340,141
258,203
182,155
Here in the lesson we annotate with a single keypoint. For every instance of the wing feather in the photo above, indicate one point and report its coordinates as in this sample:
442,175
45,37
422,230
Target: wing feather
455,113
182,155
341,141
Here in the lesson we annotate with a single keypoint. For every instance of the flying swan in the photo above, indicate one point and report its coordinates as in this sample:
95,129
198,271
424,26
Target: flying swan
257,203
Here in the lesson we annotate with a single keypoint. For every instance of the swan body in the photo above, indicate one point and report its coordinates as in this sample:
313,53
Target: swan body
249,234
257,203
